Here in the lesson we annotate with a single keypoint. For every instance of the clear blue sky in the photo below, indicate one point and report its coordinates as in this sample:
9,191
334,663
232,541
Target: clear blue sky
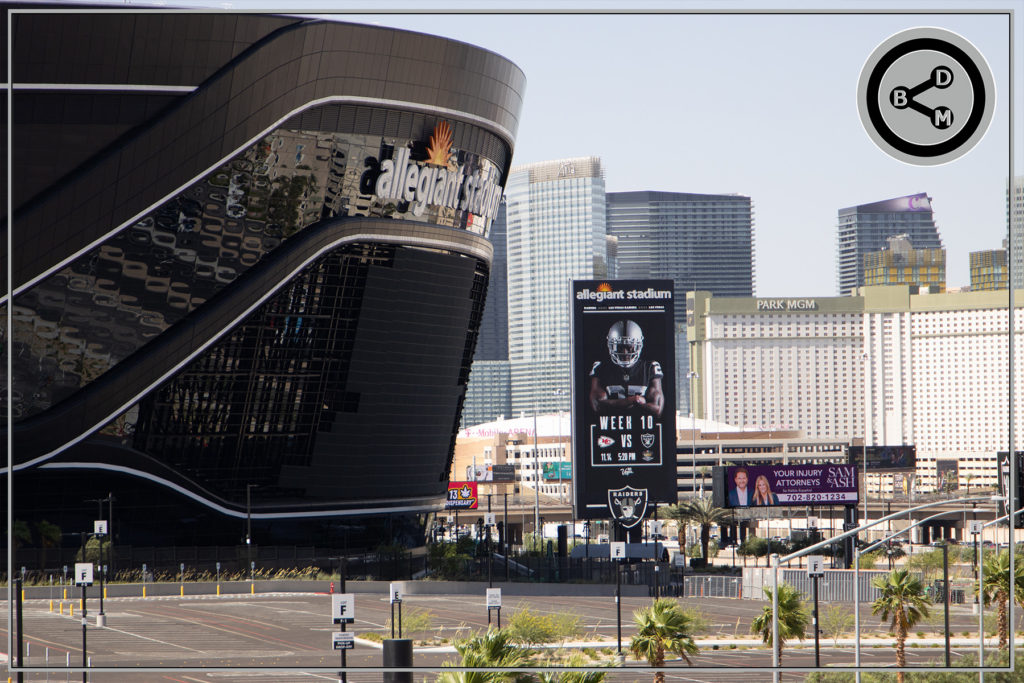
757,104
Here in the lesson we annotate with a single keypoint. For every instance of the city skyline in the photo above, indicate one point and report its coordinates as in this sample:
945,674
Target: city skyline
695,130
740,100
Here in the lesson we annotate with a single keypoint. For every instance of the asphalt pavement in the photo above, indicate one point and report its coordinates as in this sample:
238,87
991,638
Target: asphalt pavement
284,637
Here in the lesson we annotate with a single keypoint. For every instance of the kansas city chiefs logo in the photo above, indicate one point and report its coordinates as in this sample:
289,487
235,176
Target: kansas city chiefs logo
627,505
605,441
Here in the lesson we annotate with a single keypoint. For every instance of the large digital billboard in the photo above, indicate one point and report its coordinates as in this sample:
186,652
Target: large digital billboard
624,403
765,485
947,475
885,458
496,474
561,471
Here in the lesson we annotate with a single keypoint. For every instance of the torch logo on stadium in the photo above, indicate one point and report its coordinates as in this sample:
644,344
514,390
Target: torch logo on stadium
439,149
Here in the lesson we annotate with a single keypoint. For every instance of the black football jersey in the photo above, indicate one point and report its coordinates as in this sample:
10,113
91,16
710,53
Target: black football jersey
625,382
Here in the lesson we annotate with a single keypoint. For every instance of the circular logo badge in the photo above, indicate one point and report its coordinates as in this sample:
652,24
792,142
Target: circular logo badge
926,96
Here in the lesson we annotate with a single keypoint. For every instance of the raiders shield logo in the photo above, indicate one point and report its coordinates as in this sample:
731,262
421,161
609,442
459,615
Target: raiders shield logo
647,440
628,505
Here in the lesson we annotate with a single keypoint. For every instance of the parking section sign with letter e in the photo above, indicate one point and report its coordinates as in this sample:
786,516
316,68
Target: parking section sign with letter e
624,403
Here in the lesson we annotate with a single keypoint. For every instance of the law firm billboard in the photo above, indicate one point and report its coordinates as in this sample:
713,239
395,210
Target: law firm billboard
760,485
623,397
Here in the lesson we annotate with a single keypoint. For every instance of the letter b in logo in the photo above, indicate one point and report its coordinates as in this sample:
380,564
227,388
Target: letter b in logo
899,98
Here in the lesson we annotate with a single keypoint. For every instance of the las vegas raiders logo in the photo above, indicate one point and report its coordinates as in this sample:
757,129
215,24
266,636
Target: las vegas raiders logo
627,505
647,440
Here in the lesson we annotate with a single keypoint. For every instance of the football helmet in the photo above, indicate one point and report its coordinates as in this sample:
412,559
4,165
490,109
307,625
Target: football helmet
625,342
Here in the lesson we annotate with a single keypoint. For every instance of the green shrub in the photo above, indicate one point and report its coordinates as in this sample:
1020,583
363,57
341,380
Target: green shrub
695,549
414,620
699,622
868,560
450,561
754,546
530,628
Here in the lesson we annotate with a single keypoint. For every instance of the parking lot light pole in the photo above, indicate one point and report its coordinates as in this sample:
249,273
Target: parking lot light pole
248,527
693,437
562,448
945,595
864,446
536,481
775,617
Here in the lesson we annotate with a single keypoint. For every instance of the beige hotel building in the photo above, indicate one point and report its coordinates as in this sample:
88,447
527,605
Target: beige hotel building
889,365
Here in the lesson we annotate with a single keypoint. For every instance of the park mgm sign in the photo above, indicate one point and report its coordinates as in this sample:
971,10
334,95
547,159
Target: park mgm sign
787,304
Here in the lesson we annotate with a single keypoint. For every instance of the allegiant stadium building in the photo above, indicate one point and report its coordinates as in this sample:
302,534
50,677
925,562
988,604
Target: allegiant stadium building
249,256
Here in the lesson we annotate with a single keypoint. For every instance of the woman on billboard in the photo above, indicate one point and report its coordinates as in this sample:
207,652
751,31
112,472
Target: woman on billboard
763,492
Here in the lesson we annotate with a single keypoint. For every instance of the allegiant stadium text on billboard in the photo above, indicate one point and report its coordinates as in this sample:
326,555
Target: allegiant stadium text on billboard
402,178
649,293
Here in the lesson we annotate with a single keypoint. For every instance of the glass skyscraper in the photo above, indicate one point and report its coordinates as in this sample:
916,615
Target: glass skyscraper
700,241
866,228
556,234
1015,228
489,393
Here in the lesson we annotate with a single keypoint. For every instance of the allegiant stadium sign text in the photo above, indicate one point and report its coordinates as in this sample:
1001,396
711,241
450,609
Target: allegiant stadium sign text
622,295
422,184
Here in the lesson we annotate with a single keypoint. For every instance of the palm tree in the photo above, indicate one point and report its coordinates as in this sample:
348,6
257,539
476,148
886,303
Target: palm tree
493,649
793,617
662,627
703,512
893,553
22,534
903,604
49,536
675,512
997,587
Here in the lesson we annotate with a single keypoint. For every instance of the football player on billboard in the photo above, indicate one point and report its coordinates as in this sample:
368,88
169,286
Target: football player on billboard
627,383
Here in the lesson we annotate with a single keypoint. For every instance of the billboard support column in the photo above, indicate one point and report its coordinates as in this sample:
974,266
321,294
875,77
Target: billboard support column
849,543
490,550
618,605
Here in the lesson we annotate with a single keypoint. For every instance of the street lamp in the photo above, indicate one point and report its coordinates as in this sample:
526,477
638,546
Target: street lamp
864,446
248,525
561,494
536,478
101,620
693,435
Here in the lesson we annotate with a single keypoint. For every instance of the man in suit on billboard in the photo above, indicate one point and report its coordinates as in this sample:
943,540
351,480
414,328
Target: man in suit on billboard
739,494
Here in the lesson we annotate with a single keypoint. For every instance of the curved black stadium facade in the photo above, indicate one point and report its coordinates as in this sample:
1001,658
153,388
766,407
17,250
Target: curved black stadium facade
247,251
